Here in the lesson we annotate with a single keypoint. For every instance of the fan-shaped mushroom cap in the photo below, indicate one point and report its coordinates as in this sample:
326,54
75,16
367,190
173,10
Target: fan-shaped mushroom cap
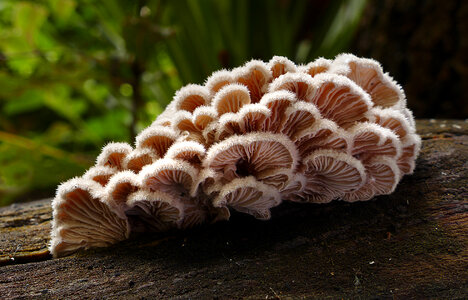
190,97
277,103
218,79
189,151
100,174
195,124
81,220
231,98
250,196
382,178
299,117
255,75
331,174
372,139
410,150
182,121
153,211
368,74
119,187
340,100
320,65
250,118
203,116
280,65
251,154
302,86
158,138
324,134
113,154
171,176
139,158
393,120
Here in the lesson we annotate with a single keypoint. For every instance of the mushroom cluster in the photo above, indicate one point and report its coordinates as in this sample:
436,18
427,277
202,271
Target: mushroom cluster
245,140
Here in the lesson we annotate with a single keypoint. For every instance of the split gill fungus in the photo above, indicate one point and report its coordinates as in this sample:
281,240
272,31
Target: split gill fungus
246,140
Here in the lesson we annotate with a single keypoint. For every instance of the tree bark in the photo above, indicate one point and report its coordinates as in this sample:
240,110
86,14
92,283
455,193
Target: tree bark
413,243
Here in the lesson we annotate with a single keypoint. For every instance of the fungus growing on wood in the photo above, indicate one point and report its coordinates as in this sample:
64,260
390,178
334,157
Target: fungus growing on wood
83,220
246,140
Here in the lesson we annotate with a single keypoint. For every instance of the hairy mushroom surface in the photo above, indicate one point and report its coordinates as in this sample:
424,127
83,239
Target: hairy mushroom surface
246,140
83,220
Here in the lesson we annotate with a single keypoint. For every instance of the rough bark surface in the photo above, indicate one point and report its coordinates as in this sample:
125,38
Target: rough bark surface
413,243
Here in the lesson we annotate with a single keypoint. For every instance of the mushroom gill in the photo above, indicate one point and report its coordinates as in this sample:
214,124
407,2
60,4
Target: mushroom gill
82,220
245,140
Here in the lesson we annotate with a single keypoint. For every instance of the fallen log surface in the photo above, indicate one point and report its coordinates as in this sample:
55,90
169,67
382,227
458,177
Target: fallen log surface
413,243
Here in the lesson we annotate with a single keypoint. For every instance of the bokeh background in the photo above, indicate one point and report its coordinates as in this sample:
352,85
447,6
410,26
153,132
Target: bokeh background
76,74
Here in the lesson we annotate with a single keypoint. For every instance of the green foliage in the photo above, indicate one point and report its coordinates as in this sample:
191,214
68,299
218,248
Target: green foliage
77,74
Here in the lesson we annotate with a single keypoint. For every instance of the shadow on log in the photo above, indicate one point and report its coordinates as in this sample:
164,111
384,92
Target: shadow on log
413,243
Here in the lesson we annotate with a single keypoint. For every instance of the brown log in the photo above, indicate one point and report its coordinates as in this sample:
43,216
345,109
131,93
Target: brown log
413,243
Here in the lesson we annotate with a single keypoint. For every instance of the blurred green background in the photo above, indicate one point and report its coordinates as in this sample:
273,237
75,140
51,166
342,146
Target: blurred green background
76,74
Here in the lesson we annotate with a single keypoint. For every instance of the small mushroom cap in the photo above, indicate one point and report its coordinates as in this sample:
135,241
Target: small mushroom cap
299,117
113,154
182,121
333,173
193,125
280,65
119,187
277,103
371,139
318,66
302,86
394,120
250,118
190,97
171,176
383,175
217,80
231,98
250,196
410,150
368,74
324,134
203,116
100,174
157,138
139,158
251,154
339,99
154,211
81,220
255,75
189,151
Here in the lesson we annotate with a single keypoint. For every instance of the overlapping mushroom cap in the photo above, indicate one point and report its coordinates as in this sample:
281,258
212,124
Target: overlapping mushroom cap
246,140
